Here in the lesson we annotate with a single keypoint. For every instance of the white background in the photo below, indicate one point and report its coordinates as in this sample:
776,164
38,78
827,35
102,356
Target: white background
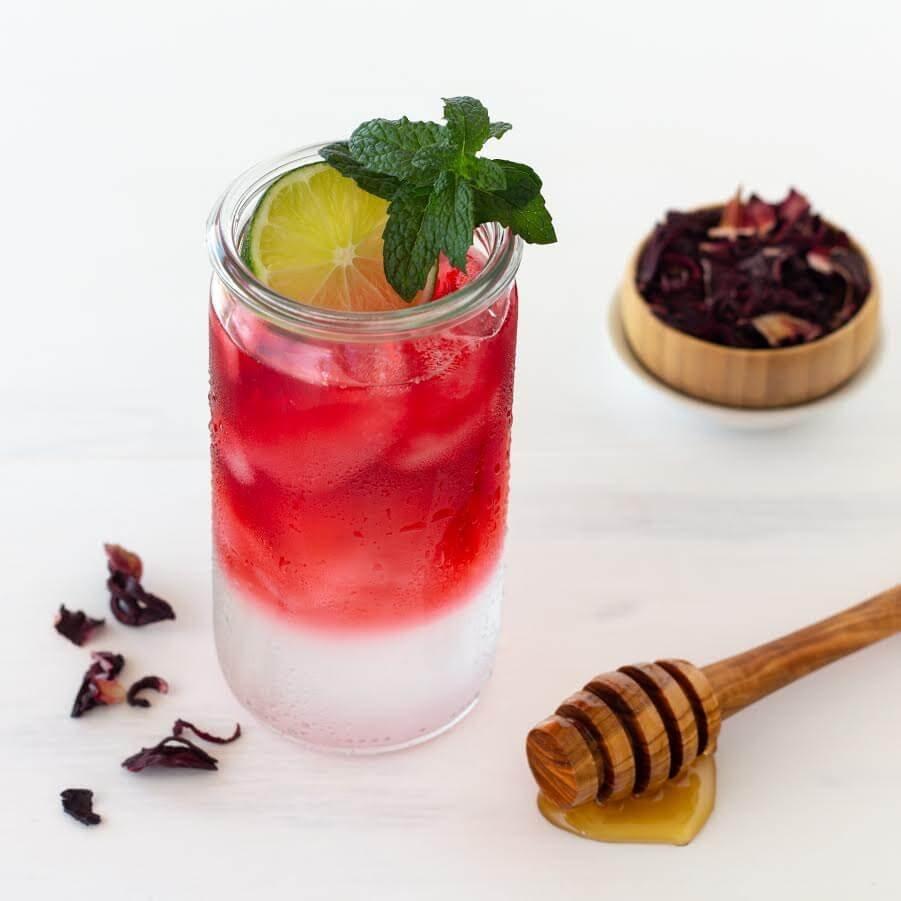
637,530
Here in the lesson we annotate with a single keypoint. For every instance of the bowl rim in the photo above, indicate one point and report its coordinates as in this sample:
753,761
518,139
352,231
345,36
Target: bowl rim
616,332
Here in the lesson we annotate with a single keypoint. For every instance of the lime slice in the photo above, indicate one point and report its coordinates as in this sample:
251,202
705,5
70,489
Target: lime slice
316,237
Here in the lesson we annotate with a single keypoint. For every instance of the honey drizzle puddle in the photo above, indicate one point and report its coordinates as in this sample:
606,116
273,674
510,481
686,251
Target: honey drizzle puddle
673,816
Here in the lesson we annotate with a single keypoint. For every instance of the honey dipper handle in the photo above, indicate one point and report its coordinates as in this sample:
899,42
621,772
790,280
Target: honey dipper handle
745,678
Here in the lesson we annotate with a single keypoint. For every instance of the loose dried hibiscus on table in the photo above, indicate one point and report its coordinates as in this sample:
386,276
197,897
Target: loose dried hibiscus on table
129,602
154,683
174,752
99,685
79,803
75,625
753,274
183,725
177,752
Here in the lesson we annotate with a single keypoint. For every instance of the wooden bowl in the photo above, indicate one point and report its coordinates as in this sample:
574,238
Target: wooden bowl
749,378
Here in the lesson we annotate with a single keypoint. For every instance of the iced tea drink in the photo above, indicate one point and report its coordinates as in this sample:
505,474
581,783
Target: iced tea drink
360,469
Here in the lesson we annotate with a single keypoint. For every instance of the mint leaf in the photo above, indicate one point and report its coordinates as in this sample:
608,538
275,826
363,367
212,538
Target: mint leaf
388,146
434,158
488,175
531,222
467,123
498,129
420,225
449,218
409,251
338,157
439,189
522,185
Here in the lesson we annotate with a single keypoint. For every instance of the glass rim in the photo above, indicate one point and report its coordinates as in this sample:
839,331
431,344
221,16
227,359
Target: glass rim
223,234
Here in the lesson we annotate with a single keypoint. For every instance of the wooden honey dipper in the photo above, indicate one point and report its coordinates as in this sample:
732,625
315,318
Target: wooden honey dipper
628,732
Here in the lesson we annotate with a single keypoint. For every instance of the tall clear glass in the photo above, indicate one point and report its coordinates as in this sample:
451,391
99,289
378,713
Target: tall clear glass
360,470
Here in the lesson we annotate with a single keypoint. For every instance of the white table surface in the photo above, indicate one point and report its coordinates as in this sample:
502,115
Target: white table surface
637,529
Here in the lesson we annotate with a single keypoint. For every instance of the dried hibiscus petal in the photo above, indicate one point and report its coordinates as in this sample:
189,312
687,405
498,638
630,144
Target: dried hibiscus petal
108,663
181,725
129,602
733,220
99,685
780,329
75,625
174,752
842,261
793,207
122,561
79,803
132,605
760,215
147,682
677,272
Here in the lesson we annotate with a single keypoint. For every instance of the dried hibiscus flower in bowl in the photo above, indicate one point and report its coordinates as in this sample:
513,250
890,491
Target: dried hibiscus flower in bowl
751,304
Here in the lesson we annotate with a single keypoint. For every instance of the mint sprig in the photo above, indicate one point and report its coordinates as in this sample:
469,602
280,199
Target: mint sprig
439,189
